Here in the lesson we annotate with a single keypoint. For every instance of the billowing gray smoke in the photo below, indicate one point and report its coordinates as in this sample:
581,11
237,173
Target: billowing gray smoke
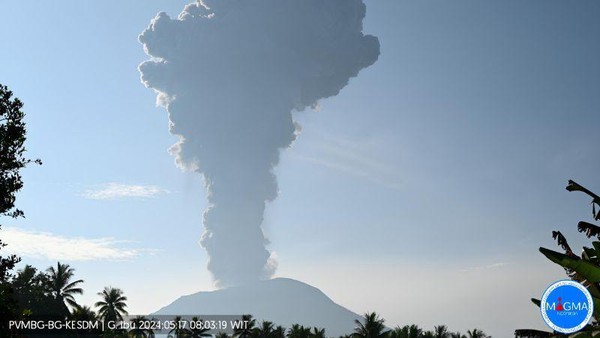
230,73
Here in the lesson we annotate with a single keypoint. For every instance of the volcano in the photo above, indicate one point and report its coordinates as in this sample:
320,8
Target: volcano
282,301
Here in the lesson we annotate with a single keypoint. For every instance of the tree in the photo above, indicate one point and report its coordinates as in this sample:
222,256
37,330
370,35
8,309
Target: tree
12,160
33,294
112,306
198,329
139,331
407,331
441,331
299,331
476,333
61,286
85,314
245,331
317,333
179,331
279,332
371,327
265,330
585,268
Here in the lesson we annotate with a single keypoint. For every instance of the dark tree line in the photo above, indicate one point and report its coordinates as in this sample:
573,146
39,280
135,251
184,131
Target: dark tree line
12,160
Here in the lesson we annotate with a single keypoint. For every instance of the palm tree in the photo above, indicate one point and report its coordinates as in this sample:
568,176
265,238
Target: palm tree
428,334
265,330
407,331
318,333
83,313
475,333
441,331
299,331
112,306
457,335
246,330
222,335
178,331
197,329
138,331
371,328
60,284
279,332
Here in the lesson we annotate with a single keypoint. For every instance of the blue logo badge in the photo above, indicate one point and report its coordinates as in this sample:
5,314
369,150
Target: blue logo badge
567,306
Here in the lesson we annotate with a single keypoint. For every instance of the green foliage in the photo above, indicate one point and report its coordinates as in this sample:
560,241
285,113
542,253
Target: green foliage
12,151
475,333
34,294
61,285
12,160
371,327
441,331
247,330
138,331
112,306
299,331
414,331
584,269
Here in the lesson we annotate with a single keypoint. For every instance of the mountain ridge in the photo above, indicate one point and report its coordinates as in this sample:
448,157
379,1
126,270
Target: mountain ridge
283,301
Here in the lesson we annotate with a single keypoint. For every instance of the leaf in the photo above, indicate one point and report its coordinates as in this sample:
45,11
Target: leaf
585,269
596,245
590,255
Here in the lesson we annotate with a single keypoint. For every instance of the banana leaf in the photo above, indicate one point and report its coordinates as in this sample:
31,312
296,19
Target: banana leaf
584,268
596,245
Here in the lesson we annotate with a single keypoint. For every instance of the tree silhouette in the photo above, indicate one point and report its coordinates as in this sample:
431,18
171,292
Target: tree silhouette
34,296
407,331
476,333
12,160
279,332
318,333
441,331
371,327
112,306
139,331
299,331
266,330
428,334
83,313
245,331
198,330
61,286
178,331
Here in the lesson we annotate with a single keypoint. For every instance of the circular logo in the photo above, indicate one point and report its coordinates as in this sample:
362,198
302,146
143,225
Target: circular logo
567,306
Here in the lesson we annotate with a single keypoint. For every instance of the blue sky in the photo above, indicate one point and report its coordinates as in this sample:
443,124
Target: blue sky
429,181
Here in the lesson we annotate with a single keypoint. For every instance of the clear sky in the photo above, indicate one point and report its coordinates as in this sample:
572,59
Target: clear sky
422,191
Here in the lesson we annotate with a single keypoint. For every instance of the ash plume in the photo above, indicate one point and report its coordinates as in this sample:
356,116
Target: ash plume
230,73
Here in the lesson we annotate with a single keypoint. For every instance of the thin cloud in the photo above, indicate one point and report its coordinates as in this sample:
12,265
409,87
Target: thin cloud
485,267
111,191
45,245
352,158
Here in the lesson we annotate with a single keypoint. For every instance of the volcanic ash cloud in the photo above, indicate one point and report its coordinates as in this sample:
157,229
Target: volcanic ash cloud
230,73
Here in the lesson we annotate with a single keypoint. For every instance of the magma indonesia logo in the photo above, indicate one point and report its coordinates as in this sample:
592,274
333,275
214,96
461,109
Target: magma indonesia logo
567,306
